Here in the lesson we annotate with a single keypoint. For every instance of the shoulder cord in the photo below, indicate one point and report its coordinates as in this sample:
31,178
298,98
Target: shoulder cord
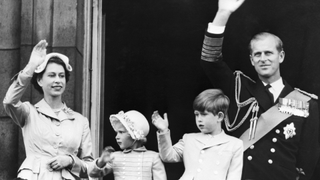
254,107
308,94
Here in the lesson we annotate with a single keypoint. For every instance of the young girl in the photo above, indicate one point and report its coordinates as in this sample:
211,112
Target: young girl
57,139
209,154
135,161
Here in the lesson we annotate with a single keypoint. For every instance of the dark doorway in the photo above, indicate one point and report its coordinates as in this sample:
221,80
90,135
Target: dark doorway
152,54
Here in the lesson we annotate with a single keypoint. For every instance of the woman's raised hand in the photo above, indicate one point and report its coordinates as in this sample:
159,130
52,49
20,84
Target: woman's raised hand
39,53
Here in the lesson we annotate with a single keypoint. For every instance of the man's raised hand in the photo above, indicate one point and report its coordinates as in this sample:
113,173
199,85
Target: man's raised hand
230,5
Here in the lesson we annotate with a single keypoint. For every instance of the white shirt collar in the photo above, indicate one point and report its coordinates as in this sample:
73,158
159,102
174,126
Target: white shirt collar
276,88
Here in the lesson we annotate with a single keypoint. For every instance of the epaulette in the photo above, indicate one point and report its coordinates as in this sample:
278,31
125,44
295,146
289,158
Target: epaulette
313,96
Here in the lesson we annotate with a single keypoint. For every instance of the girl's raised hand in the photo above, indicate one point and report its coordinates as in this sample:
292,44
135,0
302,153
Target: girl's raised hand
106,156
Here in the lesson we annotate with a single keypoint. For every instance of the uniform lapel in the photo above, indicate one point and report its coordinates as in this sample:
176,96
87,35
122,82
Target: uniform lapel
285,91
258,91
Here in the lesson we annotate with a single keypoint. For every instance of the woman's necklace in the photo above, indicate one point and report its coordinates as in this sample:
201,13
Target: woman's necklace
57,110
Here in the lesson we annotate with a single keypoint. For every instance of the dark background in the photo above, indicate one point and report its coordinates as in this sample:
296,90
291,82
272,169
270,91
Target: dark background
153,52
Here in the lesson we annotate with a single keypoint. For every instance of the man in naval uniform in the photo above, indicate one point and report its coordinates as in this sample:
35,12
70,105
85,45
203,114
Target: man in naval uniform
278,124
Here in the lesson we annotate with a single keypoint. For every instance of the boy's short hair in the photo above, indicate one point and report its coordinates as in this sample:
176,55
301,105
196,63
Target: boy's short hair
212,100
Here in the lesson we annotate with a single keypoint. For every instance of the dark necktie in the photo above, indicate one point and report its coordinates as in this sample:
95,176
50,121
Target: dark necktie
268,86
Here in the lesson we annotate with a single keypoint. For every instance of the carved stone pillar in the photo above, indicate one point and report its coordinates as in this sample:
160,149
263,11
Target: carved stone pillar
10,13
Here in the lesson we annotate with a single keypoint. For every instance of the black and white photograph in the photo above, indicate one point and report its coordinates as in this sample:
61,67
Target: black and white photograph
160,90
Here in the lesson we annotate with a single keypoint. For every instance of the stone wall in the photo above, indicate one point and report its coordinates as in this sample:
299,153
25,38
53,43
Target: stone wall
22,25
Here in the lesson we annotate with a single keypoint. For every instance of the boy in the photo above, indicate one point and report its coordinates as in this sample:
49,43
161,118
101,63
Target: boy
135,161
209,154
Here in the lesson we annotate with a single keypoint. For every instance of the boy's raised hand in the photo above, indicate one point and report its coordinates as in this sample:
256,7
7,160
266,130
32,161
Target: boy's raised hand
162,124
106,156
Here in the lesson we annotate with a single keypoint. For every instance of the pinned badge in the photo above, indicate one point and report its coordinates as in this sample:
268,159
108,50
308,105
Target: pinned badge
289,131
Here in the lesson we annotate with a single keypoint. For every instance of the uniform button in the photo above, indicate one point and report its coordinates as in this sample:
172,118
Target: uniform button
215,172
274,140
270,161
199,170
217,162
277,131
200,160
252,146
249,158
272,150
55,146
202,151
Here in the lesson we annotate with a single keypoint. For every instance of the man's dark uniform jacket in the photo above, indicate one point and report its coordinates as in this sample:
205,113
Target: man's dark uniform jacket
274,156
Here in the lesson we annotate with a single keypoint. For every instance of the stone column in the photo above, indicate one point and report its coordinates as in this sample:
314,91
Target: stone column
10,13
